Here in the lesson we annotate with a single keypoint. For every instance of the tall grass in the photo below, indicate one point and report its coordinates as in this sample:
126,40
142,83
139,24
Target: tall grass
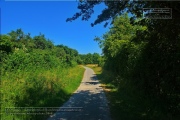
38,88
35,73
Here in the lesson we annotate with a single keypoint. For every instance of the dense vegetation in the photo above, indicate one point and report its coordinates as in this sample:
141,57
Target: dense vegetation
89,58
143,77
36,73
142,57
141,62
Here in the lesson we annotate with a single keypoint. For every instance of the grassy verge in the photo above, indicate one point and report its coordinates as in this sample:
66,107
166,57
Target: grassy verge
40,88
127,103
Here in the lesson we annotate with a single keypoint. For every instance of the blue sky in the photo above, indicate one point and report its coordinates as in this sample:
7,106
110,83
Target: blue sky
49,18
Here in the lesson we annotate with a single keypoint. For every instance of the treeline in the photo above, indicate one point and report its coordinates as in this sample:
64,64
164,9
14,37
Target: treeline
17,41
143,57
36,73
89,58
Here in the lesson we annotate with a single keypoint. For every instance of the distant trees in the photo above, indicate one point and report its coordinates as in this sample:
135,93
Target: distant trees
18,40
89,58
70,56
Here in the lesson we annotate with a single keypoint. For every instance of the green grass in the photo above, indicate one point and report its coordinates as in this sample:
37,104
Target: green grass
40,88
127,103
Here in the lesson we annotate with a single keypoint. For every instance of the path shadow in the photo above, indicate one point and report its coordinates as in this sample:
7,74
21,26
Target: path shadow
93,106
94,77
90,83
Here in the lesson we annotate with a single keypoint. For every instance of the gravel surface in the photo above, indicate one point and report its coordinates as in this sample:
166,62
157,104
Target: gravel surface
87,103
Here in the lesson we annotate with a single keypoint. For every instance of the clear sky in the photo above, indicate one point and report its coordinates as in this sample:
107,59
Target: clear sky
49,18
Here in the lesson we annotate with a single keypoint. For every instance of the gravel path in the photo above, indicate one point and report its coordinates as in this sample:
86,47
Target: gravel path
87,103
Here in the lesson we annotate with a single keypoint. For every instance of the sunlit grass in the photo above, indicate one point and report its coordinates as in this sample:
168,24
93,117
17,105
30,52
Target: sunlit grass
40,88
92,65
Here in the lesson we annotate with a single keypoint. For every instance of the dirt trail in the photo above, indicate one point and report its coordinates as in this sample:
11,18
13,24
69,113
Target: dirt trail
87,103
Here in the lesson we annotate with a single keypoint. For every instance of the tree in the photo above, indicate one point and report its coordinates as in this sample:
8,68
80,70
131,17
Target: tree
117,8
17,35
161,35
41,42
95,58
149,56
89,58
71,55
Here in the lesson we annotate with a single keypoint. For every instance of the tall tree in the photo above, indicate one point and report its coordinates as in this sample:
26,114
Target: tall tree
155,66
116,8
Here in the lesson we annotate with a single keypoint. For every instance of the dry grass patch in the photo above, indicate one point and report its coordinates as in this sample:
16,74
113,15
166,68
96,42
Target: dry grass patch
92,65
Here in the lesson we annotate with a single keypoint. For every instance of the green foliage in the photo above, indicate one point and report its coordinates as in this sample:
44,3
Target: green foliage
38,88
89,58
41,42
101,61
16,35
145,62
117,8
5,44
141,53
70,55
35,73
118,48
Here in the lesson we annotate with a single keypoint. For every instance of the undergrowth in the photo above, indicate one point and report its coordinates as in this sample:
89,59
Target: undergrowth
127,102
38,88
